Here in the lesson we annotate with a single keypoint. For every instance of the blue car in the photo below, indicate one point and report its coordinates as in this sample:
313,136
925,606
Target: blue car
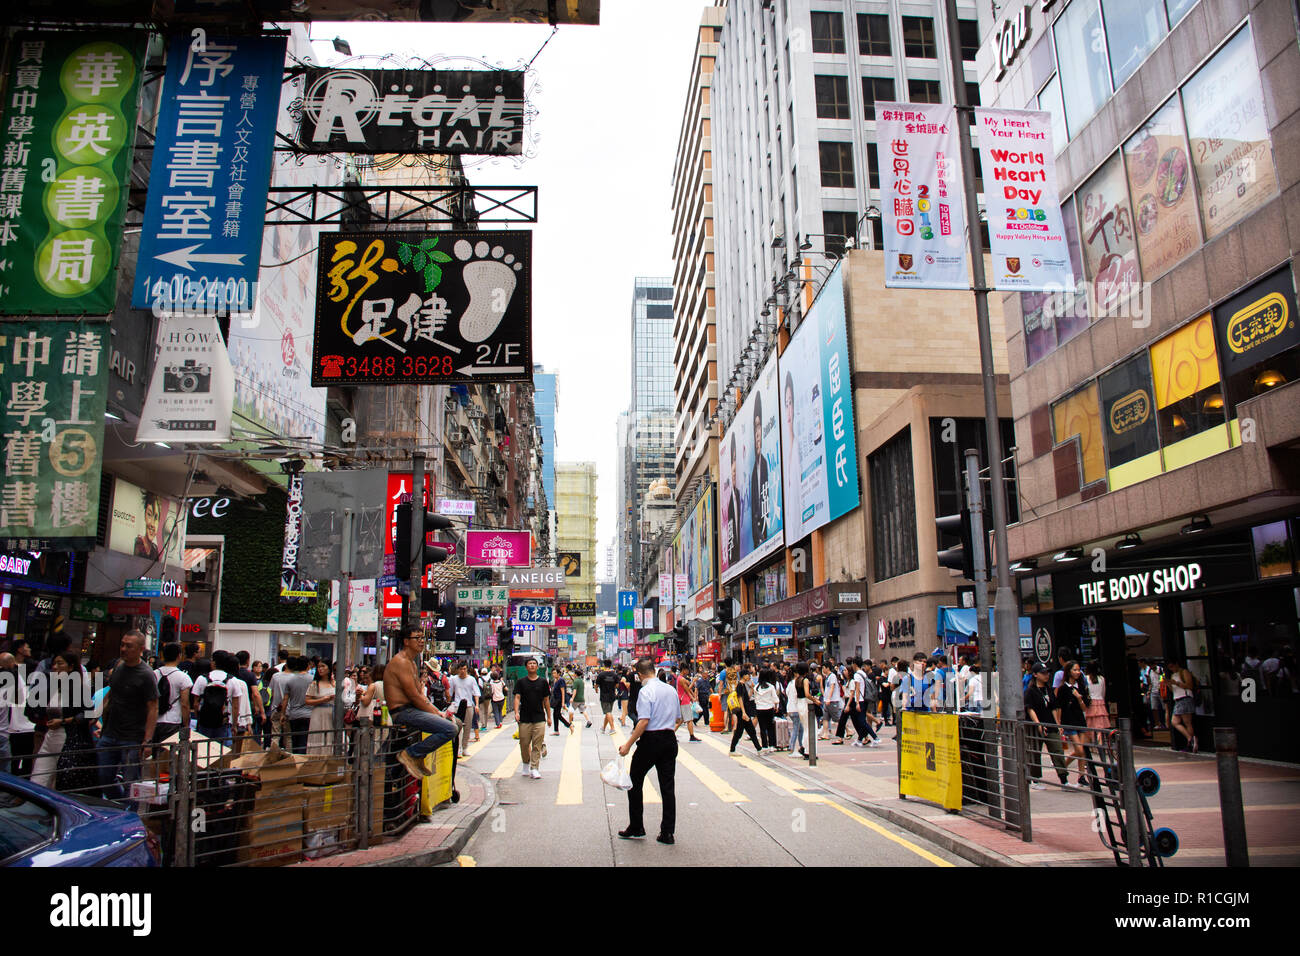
42,827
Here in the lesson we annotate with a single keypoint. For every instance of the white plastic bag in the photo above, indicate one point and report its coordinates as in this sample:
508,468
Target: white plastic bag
616,776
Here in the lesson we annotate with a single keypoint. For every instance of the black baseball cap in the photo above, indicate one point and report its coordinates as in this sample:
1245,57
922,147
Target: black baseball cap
1039,669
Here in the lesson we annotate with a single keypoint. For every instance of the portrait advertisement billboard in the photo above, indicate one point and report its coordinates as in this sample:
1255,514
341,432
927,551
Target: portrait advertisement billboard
750,512
819,451
144,523
693,546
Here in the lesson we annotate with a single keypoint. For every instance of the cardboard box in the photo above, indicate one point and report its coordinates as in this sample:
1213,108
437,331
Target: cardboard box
272,768
329,807
273,839
322,770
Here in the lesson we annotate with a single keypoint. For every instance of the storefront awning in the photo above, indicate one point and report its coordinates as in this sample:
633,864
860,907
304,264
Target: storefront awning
958,623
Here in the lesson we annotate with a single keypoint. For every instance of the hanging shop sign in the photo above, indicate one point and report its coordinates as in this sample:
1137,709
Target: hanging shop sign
1026,233
413,111
89,609
327,497
454,508
1229,562
363,615
482,597
543,614
400,488
1257,324
626,607
922,196
37,570
146,524
53,382
294,588
423,308
509,549
582,608
192,392
571,562
69,123
211,170
819,454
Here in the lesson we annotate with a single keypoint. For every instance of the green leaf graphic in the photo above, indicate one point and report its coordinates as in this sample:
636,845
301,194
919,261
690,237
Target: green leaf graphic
439,257
404,253
419,261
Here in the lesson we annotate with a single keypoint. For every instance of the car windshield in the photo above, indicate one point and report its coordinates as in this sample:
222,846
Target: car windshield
24,824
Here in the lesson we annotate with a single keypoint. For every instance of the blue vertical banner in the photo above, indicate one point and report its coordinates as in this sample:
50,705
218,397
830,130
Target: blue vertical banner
202,234
626,607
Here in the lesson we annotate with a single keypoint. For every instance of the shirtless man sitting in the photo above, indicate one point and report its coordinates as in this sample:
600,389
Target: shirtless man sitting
409,707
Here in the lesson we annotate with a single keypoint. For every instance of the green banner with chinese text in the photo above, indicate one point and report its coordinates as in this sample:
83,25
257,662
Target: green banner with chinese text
69,125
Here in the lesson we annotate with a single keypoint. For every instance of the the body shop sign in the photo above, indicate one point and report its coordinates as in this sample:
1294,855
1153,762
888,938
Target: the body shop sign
498,549
1140,585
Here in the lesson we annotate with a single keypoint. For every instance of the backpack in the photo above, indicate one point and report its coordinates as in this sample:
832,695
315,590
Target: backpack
164,692
212,707
733,701
438,693
870,692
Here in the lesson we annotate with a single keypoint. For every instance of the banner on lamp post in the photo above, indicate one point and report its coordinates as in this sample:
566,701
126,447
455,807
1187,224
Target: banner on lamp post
1026,233
922,196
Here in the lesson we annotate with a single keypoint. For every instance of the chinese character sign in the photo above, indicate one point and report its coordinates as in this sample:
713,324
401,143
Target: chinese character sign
69,117
922,196
1026,234
211,165
53,382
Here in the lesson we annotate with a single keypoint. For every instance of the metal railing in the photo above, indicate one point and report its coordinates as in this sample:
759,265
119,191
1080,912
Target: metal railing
301,795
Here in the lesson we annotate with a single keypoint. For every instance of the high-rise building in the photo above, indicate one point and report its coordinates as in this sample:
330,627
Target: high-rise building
695,356
650,481
546,396
575,520
793,130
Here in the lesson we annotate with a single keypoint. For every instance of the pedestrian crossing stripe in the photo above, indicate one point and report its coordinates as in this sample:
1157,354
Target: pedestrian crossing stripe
570,793
721,789
510,766
484,740
648,793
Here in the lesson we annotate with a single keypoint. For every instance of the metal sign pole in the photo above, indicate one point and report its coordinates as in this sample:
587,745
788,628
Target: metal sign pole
345,602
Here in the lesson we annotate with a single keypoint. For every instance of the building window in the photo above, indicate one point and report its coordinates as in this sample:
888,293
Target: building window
877,232
1228,129
969,33
893,507
1127,411
837,226
1109,236
1133,28
918,37
923,91
873,34
876,88
1049,99
873,168
972,94
1160,182
836,165
1078,414
828,33
1185,375
1081,62
832,97
949,439
1178,9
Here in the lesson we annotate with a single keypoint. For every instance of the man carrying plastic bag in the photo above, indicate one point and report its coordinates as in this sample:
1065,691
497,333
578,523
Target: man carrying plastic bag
657,711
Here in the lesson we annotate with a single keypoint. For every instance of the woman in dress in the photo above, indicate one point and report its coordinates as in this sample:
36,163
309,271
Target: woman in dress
1183,691
1098,714
1070,709
320,698
621,695
58,715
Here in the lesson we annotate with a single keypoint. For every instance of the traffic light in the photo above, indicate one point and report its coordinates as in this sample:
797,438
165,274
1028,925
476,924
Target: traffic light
961,557
680,637
402,543
722,615
505,639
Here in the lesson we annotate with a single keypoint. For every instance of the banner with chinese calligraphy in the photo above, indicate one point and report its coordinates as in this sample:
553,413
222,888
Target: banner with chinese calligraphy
192,392
1026,234
211,170
54,382
69,120
922,196
400,308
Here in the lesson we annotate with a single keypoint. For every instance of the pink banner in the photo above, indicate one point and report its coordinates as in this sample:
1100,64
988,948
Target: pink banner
498,549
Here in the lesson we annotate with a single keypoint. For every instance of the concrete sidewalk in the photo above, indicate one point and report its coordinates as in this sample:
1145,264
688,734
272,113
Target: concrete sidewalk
433,843
1062,821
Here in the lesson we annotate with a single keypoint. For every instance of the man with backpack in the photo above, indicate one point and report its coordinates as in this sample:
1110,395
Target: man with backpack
221,699
253,720
173,694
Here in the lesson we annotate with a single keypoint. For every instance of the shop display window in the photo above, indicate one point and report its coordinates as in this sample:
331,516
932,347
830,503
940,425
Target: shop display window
1079,414
1273,554
1185,372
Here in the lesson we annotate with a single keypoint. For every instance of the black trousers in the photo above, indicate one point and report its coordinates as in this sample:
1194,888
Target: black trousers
704,710
558,718
859,723
658,749
743,726
298,734
767,724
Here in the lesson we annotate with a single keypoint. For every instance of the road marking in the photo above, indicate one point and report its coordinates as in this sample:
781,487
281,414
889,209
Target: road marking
794,788
571,771
486,739
721,789
648,792
466,861
508,767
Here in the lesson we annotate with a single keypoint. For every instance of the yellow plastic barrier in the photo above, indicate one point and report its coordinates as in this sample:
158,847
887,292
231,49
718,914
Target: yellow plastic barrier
435,789
929,763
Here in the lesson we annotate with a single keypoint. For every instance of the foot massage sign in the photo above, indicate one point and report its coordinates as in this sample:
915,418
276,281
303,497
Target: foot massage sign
400,308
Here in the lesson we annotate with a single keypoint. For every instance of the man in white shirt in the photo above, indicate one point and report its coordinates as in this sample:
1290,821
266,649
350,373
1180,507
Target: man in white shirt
176,713
657,710
233,702
465,692
832,701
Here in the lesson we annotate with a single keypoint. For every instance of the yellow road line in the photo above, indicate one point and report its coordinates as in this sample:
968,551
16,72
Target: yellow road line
723,790
466,860
571,770
484,740
792,787
510,766
648,792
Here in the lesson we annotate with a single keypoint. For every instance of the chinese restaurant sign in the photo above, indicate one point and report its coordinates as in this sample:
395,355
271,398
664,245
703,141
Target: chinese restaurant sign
53,381
69,119
1026,234
922,196
413,111
401,308
211,170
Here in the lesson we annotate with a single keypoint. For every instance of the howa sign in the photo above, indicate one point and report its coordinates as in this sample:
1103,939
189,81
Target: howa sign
423,307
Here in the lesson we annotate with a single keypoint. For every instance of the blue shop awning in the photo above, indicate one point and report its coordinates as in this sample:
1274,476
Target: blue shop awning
957,625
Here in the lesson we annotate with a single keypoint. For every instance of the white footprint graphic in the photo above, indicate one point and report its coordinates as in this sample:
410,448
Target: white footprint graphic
490,282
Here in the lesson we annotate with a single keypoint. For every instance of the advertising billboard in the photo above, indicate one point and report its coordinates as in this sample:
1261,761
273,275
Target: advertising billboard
143,523
693,545
396,308
819,452
498,549
437,111
750,512
69,120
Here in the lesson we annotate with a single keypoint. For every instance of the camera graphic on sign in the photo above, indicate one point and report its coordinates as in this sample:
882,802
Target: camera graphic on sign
187,377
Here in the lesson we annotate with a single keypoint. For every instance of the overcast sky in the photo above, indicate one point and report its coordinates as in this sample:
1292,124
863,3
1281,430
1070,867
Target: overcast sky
609,110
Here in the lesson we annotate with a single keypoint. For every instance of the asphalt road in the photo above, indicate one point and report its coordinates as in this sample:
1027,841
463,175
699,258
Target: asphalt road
731,811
